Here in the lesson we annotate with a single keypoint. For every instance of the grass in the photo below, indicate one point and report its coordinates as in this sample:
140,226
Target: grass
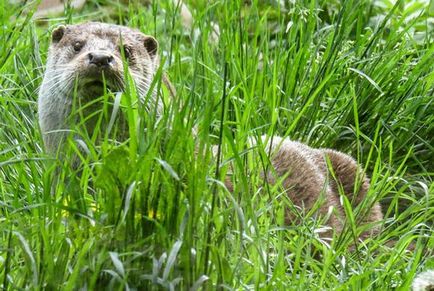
151,214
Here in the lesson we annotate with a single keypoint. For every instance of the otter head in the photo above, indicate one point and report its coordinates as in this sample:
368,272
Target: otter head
84,56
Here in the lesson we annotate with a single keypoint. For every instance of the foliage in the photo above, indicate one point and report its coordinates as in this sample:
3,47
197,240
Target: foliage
152,212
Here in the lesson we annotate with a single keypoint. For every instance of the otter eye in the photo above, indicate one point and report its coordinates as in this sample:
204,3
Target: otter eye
127,52
77,46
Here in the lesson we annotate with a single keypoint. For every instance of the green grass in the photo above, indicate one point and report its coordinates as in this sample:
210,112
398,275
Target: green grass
150,213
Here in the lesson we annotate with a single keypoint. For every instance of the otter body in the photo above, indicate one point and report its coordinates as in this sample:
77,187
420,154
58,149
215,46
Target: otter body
308,179
82,56
80,59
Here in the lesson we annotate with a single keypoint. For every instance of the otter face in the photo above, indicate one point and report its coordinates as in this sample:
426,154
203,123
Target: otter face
86,55
83,57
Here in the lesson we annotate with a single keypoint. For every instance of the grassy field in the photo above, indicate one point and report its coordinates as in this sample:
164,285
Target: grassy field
356,76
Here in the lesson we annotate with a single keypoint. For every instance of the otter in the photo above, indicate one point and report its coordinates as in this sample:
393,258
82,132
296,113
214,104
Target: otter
84,57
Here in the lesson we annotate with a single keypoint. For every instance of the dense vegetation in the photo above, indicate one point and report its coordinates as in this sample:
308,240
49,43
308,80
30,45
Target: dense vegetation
356,76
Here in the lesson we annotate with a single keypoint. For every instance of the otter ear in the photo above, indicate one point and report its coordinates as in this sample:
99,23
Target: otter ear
151,45
58,33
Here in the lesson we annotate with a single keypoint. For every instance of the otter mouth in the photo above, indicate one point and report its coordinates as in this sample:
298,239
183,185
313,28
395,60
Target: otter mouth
92,84
96,83
94,88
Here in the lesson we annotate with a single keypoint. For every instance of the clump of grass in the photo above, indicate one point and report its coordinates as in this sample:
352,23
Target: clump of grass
151,211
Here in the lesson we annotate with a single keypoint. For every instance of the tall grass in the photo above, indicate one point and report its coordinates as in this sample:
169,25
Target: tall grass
152,213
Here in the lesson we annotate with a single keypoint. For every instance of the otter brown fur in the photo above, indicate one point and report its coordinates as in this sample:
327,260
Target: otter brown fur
79,58
81,55
308,179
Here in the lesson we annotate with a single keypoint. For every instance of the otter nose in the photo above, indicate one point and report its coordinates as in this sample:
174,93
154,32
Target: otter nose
100,59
